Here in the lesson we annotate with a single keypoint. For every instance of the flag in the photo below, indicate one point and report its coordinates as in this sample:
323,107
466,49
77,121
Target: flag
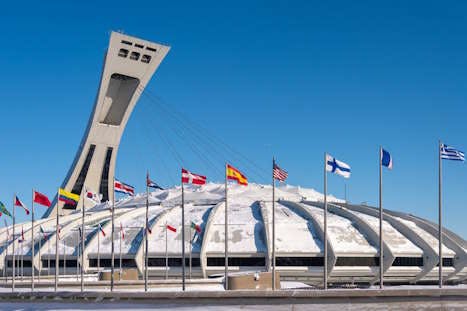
173,229
450,153
337,167
44,234
101,230
3,210
121,187
233,174
190,178
196,227
21,204
96,197
278,173
122,232
386,159
152,184
41,199
67,197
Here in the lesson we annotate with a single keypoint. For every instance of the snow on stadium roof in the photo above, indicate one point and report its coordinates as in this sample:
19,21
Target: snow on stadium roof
292,223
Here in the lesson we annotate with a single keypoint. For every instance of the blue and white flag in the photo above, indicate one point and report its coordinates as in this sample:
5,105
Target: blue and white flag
337,167
450,153
386,159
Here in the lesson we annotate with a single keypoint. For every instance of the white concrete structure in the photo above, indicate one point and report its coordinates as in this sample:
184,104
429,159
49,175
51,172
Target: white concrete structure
410,242
128,66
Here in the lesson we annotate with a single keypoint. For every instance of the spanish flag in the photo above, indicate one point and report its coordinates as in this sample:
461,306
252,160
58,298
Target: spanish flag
233,174
68,197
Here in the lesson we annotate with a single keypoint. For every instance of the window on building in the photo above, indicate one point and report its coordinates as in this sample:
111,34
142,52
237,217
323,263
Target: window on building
134,55
146,58
357,261
408,262
123,53
299,261
237,261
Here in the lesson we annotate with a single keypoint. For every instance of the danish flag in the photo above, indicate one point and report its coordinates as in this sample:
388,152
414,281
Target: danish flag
191,178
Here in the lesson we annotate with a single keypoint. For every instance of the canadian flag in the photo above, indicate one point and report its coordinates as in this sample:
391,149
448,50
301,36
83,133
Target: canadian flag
190,178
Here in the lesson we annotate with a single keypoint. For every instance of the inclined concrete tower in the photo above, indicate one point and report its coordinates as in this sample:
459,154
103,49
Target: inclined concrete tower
128,66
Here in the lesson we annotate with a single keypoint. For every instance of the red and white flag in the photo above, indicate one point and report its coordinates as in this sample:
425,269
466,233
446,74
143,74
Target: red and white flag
124,188
173,229
96,197
191,178
101,230
122,232
21,204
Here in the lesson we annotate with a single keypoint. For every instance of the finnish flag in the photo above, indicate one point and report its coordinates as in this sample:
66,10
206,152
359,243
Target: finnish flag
337,167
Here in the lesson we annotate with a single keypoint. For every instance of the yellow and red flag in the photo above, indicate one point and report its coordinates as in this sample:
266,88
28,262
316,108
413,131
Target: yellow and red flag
233,174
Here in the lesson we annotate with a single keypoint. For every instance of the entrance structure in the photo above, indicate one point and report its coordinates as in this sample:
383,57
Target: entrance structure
128,66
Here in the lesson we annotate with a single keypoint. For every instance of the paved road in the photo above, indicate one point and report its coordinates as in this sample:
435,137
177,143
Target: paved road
341,306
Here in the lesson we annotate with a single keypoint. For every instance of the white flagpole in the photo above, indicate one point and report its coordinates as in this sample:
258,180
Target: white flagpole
120,270
99,249
78,240
82,241
273,229
40,258
146,232
14,241
226,235
32,242
183,237
166,254
381,251
57,237
191,247
22,260
64,256
325,265
48,258
440,228
112,263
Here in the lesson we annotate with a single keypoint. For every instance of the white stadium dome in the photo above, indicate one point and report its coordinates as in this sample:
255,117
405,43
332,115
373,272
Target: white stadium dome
410,243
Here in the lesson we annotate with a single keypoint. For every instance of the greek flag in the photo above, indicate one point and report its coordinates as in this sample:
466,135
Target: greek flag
450,153
337,167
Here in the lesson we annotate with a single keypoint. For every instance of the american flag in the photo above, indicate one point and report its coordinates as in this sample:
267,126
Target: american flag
278,173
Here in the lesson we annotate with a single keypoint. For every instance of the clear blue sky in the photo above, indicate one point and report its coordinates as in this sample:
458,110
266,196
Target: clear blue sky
290,79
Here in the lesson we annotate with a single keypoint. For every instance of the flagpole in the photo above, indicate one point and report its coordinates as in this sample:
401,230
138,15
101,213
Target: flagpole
183,237
99,249
32,242
77,254
14,240
226,235
112,263
273,229
82,242
325,265
191,248
146,237
381,251
120,270
57,236
40,258
440,228
166,254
